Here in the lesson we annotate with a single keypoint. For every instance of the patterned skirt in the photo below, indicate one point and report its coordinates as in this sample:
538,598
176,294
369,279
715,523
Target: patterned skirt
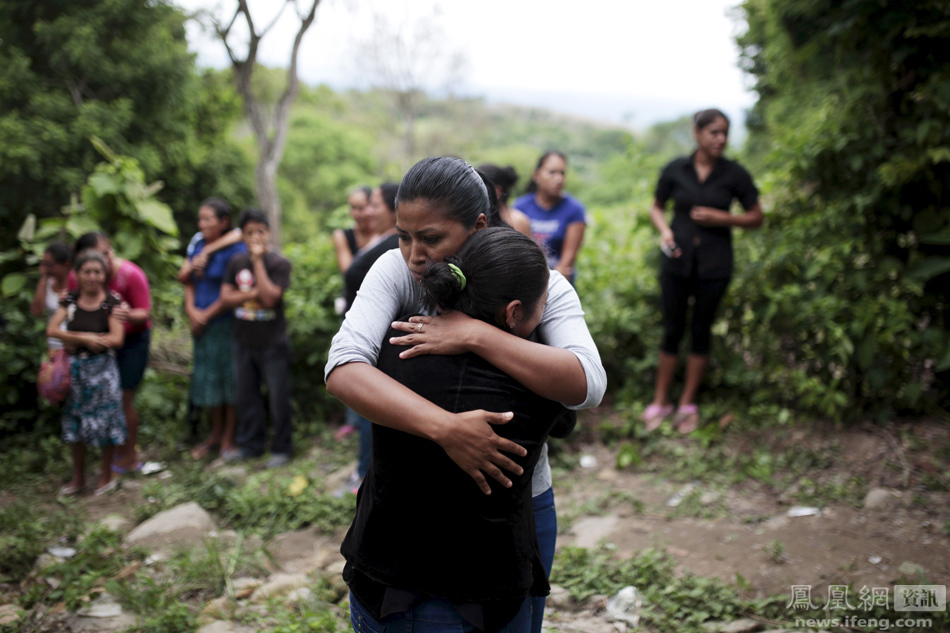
93,412
212,380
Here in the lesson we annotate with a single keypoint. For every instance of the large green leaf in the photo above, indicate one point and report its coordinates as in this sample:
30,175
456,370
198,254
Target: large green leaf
105,184
12,284
79,224
929,268
158,214
29,227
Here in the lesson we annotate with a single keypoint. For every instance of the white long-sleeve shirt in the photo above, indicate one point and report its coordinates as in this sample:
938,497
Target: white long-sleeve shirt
389,292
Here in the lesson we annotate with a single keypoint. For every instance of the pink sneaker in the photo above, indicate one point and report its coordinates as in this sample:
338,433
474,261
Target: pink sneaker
654,415
343,432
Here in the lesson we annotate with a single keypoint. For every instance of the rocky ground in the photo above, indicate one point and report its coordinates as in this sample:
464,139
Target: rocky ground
896,523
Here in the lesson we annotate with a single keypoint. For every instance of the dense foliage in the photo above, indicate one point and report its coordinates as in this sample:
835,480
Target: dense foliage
853,119
118,70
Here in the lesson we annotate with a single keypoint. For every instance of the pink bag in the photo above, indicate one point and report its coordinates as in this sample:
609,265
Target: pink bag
53,380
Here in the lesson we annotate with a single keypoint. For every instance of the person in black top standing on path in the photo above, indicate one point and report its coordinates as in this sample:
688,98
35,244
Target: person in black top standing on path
696,256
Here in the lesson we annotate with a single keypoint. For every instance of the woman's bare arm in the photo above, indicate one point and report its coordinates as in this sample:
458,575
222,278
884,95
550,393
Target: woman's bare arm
573,237
344,257
550,372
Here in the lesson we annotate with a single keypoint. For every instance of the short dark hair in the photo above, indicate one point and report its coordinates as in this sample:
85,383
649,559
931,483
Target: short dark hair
453,185
222,210
389,191
363,189
704,117
90,240
60,252
500,265
503,177
532,185
252,215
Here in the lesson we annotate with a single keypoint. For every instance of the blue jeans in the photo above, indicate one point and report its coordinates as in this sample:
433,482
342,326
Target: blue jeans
365,427
545,524
430,616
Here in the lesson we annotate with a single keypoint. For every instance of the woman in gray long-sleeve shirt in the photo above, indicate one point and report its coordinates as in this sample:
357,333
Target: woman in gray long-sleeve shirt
563,365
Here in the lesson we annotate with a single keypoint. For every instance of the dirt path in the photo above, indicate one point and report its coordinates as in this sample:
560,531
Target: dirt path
749,533
738,531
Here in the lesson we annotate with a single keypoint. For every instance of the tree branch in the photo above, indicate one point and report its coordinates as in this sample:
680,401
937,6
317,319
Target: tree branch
282,112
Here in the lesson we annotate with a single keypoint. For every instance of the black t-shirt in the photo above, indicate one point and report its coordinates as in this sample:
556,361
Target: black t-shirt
706,250
255,325
422,525
354,275
96,321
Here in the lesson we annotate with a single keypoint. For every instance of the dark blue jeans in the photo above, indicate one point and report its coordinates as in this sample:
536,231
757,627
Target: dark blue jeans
430,616
545,524
254,367
365,428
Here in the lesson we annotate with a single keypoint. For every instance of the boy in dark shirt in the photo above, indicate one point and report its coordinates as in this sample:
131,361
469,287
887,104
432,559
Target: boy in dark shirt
254,287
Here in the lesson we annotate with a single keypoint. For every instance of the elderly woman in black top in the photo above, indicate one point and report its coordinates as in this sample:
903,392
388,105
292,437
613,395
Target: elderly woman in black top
697,256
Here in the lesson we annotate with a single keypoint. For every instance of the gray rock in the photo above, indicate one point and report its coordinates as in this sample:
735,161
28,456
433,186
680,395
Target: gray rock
881,499
219,608
45,561
590,531
714,626
244,587
588,625
218,626
710,497
744,625
560,598
102,625
184,525
9,615
236,473
280,585
300,594
115,523
912,570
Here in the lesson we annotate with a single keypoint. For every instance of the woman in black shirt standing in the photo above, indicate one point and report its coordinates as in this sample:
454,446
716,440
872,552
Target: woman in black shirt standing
697,256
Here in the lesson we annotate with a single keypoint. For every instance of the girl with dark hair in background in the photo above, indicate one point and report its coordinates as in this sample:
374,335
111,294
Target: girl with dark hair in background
504,179
212,327
464,557
129,283
383,204
696,257
348,242
93,413
557,219
54,273
442,202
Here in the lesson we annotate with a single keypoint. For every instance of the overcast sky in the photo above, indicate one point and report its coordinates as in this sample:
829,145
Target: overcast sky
634,62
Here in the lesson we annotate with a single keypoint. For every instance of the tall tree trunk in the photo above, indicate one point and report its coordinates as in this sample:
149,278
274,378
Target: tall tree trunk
270,132
265,188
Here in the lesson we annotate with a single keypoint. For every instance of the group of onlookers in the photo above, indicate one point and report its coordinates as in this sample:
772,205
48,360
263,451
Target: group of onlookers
463,341
99,310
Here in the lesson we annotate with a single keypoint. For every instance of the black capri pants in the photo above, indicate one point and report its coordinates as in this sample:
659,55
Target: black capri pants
675,292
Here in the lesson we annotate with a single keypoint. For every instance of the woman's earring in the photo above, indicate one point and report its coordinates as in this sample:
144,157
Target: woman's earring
511,325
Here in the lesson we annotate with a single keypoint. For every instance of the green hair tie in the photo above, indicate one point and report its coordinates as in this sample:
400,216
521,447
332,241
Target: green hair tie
459,275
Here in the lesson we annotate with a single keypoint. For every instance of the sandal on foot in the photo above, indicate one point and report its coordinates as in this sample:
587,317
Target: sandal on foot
107,488
654,415
70,491
201,451
125,471
686,419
